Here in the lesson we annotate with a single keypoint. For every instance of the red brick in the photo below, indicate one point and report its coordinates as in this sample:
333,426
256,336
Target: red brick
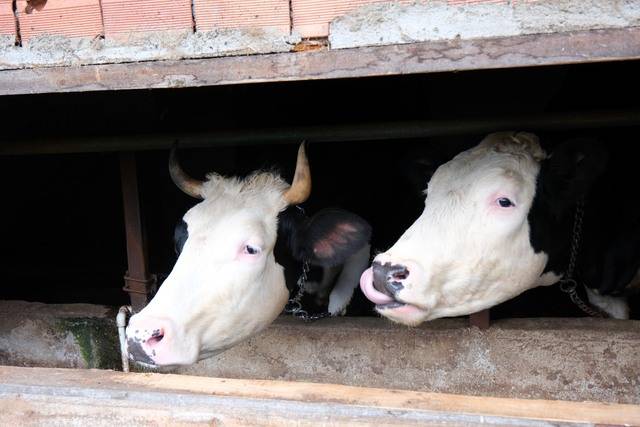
7,20
211,14
71,18
136,16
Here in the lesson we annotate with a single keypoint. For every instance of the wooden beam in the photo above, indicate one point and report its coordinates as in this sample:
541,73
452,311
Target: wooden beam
454,55
378,131
67,395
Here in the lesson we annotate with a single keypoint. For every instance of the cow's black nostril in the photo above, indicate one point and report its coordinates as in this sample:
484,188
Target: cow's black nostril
400,273
380,278
387,277
394,287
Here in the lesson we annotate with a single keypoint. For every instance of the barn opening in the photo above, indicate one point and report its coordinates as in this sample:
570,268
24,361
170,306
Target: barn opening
64,239
64,228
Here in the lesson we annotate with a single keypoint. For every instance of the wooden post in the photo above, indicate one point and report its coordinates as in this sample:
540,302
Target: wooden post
480,319
138,283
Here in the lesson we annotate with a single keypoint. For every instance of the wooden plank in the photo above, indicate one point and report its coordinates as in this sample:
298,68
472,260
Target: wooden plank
378,131
455,55
21,386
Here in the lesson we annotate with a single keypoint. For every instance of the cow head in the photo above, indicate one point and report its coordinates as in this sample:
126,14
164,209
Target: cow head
473,246
226,284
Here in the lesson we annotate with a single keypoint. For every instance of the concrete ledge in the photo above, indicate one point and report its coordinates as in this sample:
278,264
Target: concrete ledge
90,397
567,359
564,359
58,335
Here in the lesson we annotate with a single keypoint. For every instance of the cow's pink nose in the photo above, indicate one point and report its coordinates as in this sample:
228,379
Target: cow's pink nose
147,338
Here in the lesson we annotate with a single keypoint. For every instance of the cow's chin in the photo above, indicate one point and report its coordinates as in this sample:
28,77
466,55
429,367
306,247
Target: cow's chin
404,313
167,361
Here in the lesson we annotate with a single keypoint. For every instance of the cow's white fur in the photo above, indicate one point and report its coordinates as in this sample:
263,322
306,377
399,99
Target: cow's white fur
213,298
465,253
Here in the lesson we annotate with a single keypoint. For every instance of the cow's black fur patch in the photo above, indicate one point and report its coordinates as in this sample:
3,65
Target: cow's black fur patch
180,236
609,252
137,353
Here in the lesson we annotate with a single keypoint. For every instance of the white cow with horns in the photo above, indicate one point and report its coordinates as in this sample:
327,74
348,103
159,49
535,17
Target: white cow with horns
227,283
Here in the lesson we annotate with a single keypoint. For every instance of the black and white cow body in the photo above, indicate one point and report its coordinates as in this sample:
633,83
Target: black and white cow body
498,220
586,172
236,247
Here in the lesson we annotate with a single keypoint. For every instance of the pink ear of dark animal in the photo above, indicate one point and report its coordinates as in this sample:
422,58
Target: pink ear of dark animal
332,235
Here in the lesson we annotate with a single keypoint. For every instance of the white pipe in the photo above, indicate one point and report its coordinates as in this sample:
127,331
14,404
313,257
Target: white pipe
121,321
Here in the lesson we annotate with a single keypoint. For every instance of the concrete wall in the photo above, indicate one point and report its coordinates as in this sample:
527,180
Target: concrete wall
76,32
396,22
568,359
60,336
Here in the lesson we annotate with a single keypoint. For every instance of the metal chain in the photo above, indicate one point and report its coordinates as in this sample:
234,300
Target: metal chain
568,284
294,305
576,236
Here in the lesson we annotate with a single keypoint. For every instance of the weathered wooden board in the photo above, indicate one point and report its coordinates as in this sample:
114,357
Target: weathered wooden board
455,55
378,131
43,396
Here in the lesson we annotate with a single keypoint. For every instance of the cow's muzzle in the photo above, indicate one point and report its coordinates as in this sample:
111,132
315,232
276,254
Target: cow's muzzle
387,278
382,282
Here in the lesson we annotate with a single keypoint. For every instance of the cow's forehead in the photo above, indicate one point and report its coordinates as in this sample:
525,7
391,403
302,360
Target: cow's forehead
505,156
256,198
258,188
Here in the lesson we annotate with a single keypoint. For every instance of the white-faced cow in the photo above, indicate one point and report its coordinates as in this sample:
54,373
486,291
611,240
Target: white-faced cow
228,282
498,220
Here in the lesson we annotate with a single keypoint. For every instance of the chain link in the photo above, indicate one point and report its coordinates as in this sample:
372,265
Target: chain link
576,237
294,305
568,284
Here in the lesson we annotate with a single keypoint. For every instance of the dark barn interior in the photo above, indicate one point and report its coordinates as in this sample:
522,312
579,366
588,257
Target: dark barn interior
62,216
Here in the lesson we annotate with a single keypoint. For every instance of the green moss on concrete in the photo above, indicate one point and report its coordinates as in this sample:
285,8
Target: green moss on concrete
97,339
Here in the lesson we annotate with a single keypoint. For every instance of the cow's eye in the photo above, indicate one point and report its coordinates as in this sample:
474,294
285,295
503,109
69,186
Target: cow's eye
251,250
504,202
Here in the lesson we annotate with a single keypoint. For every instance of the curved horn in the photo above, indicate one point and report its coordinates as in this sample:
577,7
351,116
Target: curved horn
184,182
301,186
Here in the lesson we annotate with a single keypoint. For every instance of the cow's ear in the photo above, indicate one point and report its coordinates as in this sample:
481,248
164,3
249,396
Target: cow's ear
419,172
180,235
333,235
573,167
